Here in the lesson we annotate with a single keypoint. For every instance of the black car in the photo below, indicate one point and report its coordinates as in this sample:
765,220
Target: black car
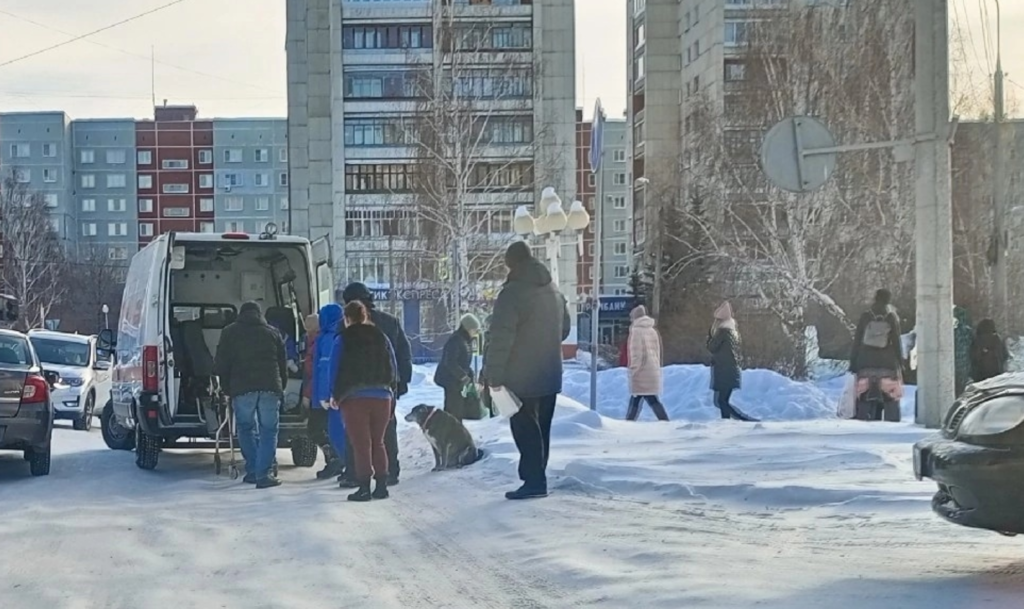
26,417
978,458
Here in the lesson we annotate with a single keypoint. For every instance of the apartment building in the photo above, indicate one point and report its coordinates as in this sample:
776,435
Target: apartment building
112,185
355,74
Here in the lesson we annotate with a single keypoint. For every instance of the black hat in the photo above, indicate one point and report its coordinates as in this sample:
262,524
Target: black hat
251,307
517,254
357,291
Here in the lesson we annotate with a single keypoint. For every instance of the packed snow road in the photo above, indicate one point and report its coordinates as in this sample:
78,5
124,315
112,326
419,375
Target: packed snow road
779,516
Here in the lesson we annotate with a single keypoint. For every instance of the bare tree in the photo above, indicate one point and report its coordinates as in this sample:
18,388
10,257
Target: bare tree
474,134
97,280
784,251
34,263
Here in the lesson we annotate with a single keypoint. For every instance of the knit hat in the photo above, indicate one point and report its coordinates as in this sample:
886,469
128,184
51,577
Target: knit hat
357,291
469,322
638,312
517,253
724,312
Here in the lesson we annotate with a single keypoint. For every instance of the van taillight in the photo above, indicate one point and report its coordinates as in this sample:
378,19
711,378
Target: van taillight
150,378
36,390
235,236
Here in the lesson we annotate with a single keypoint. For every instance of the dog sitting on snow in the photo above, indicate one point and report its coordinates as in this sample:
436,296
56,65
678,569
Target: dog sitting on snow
452,443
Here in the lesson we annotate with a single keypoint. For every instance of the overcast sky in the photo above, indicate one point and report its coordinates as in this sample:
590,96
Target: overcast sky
227,56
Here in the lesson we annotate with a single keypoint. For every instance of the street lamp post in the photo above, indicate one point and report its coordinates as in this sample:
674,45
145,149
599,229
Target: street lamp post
106,317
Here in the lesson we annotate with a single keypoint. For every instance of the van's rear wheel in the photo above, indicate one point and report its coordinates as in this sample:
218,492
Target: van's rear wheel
114,435
304,452
147,450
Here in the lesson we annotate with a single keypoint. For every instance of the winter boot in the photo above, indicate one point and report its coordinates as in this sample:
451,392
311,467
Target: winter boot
269,482
526,492
333,466
363,493
381,491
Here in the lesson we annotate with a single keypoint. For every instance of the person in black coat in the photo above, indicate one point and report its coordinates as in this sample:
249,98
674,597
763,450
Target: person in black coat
455,371
988,352
392,328
524,356
724,346
882,354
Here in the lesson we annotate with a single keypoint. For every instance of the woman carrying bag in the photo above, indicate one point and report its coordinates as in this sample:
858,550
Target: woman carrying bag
455,372
724,345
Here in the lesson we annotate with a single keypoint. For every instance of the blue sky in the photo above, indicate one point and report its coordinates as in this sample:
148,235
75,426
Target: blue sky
227,56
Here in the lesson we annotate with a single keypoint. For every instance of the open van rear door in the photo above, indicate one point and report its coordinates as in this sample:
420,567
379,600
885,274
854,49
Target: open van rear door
324,277
173,258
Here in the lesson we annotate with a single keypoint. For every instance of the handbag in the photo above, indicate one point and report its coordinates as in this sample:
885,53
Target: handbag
472,405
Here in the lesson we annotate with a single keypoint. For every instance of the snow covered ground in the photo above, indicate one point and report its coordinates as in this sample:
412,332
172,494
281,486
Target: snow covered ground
800,511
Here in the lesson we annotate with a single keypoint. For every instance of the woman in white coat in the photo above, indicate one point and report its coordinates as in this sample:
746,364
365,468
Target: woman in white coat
644,352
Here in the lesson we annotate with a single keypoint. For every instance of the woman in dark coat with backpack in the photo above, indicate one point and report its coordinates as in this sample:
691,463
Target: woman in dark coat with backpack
455,371
724,345
988,352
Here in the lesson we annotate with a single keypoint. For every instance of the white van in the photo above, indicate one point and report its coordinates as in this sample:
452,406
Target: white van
181,291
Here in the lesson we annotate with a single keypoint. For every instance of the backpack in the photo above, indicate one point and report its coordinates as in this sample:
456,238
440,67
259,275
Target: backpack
876,333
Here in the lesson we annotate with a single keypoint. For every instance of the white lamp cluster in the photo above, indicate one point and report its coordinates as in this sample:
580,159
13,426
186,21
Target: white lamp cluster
551,223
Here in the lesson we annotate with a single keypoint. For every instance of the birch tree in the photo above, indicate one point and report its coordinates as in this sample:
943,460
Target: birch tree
34,263
852,68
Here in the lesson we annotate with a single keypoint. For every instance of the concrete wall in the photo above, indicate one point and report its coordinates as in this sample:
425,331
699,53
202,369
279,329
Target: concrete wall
252,139
105,150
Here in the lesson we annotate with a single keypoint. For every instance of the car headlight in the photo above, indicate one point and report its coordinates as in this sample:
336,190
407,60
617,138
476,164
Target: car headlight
994,417
72,381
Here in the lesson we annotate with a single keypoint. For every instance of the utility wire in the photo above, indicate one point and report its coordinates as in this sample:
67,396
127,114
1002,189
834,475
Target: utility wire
92,33
134,54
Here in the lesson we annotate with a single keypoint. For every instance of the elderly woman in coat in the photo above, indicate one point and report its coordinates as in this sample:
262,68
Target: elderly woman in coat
724,345
644,361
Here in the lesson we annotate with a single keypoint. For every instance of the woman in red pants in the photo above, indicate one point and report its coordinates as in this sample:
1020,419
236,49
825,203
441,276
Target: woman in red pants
364,390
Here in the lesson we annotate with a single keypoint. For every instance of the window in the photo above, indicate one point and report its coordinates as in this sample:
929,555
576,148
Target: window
377,132
262,179
87,157
234,204
736,33
591,179
359,37
51,200
263,204
176,189
118,253
282,155
233,155
205,157
284,204
175,164
116,205
638,35
494,84
262,155
619,226
21,151
621,272
116,180
88,205
50,150
50,176
495,37
145,182
145,206
117,229
619,156
22,176
177,212
206,205
380,178
619,179
116,157
206,227
235,226
509,130
618,201
146,229
282,179
230,180
735,71
638,68
145,157
88,229
619,248
383,85
494,177
206,180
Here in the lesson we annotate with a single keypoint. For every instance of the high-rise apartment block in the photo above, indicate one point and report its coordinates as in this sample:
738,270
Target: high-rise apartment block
112,185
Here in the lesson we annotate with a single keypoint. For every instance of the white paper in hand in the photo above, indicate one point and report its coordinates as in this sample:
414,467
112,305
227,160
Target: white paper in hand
505,402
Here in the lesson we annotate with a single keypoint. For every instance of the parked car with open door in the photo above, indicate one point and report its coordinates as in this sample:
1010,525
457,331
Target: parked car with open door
26,416
181,291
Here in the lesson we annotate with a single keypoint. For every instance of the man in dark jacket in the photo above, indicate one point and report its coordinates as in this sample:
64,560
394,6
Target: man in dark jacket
877,344
253,368
524,356
391,328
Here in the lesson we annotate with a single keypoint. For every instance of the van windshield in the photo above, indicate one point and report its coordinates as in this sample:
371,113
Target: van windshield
61,352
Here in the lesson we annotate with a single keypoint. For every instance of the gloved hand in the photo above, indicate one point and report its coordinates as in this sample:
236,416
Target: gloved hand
403,388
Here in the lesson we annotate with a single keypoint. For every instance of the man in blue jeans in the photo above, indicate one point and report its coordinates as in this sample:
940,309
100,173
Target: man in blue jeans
252,367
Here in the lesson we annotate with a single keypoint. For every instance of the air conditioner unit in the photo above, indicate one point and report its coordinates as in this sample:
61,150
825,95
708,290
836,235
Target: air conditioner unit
227,188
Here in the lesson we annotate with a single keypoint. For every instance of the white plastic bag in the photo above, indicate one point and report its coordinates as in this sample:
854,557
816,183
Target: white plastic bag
847,407
505,402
